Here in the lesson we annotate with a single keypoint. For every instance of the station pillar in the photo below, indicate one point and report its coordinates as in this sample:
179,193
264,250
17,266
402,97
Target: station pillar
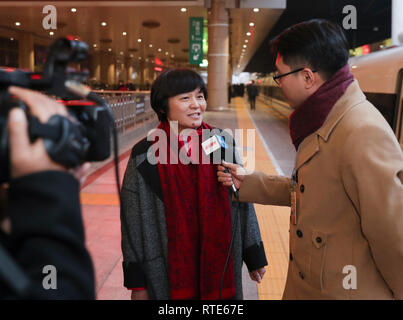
26,51
108,71
142,71
95,71
218,56
129,70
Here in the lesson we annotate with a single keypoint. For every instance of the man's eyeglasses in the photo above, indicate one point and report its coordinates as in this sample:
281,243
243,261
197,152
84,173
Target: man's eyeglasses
278,76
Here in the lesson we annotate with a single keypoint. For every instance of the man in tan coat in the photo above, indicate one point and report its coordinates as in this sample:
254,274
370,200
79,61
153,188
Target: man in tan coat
346,192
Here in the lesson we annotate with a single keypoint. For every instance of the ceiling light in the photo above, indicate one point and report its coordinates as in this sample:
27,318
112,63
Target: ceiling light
73,10
244,45
150,45
256,10
12,39
251,24
131,56
124,33
109,49
103,23
166,53
248,34
121,52
246,41
94,45
183,9
139,40
172,56
51,33
18,24
159,49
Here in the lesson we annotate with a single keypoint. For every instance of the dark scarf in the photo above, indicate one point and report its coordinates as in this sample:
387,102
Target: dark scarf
198,220
312,113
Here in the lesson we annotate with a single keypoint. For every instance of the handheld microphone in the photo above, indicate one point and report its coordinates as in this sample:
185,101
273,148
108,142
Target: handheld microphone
210,145
214,143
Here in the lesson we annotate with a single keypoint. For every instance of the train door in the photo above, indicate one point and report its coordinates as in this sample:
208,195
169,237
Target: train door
399,110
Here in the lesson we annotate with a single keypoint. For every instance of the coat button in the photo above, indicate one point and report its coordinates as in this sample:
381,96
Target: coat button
299,233
318,239
291,257
302,188
301,275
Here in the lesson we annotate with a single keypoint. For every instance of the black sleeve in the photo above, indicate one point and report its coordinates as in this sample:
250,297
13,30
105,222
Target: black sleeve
255,257
47,229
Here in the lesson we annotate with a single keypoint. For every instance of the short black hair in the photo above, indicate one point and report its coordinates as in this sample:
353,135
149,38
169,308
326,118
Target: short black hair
171,83
319,43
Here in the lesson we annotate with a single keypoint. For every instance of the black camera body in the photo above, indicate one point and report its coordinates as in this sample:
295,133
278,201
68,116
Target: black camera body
84,136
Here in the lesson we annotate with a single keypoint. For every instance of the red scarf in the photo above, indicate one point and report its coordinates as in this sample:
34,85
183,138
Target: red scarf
198,219
312,113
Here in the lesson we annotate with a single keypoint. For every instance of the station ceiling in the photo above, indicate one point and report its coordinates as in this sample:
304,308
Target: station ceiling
118,26
163,29
373,24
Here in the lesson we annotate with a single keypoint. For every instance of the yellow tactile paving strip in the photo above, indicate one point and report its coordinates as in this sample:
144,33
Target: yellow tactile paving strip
273,221
105,199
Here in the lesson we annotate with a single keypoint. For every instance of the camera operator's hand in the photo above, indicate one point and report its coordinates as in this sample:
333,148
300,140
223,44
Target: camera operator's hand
27,158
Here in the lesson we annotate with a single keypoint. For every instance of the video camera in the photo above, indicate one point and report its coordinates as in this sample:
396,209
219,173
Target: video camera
70,142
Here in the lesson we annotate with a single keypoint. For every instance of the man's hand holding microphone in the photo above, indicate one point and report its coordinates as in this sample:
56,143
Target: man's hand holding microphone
235,175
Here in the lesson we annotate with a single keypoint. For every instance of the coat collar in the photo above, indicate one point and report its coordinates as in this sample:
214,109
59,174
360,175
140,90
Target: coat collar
310,145
148,171
307,149
348,100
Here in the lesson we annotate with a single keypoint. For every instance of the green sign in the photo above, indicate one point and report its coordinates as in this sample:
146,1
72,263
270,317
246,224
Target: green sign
195,40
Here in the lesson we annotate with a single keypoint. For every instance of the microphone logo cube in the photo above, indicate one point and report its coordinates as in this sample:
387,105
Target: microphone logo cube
210,145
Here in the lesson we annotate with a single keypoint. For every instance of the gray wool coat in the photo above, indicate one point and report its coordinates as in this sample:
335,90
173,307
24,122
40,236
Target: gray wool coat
144,234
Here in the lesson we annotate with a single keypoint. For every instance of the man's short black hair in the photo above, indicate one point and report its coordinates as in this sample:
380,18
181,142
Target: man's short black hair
171,83
319,43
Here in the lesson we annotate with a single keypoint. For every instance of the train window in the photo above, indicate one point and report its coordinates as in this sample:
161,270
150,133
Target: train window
386,104
399,111
401,125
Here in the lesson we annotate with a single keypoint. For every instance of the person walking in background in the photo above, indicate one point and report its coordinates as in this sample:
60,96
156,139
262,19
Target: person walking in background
252,94
229,92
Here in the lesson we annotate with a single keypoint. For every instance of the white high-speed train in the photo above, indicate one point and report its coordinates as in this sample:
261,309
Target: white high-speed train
380,76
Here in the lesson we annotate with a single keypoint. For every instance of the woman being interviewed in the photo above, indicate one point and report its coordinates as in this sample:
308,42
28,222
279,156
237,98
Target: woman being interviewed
176,218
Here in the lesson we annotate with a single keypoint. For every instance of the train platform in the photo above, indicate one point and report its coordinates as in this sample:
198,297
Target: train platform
274,154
